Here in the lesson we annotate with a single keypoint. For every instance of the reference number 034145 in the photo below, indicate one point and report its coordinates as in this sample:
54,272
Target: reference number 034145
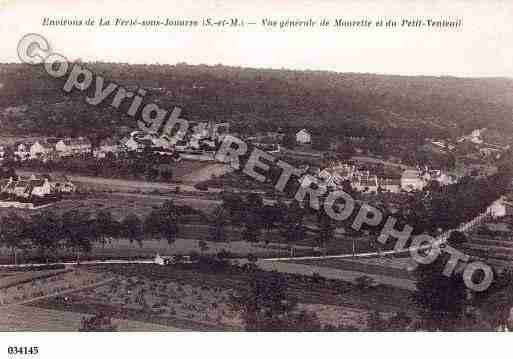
21,350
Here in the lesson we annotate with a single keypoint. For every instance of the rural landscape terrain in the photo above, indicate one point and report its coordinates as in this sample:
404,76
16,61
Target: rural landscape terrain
105,227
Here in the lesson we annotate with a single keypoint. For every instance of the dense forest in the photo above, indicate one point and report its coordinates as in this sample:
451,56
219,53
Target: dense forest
31,102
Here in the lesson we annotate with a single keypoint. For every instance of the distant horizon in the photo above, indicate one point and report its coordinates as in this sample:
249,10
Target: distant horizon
480,47
306,70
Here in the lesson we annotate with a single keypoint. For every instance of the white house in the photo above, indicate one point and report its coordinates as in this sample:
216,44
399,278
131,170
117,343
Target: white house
107,146
40,187
392,185
327,178
444,145
160,142
133,144
443,178
366,183
25,187
475,136
497,208
303,137
22,188
201,130
220,130
22,150
61,184
40,150
73,146
411,180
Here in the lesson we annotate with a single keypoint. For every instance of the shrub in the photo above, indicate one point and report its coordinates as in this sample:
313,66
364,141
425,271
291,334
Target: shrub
364,282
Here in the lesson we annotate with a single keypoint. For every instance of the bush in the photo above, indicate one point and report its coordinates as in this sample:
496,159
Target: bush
201,186
457,238
364,282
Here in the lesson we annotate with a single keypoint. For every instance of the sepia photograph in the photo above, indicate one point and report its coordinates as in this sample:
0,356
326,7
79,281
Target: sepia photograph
233,166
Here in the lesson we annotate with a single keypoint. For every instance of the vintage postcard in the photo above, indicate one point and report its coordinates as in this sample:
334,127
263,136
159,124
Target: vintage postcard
272,166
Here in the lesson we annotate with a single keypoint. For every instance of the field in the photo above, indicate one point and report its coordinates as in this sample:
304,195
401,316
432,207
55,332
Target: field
120,204
27,287
34,319
390,266
164,298
201,171
302,288
238,181
19,289
190,299
158,301
185,170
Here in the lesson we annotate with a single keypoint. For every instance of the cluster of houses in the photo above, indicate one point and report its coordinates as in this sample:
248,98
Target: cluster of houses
487,142
54,149
47,149
35,187
360,179
417,179
268,141
364,180
200,137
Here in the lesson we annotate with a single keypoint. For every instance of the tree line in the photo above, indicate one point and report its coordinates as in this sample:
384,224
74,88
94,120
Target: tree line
75,232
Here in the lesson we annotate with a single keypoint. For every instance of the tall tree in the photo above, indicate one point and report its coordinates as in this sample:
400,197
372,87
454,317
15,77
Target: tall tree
163,222
271,216
293,229
441,298
326,230
266,306
252,217
13,232
78,231
132,228
106,226
252,228
289,140
45,232
203,246
217,231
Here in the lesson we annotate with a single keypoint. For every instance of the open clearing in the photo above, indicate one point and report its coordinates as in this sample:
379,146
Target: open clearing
119,205
30,318
205,173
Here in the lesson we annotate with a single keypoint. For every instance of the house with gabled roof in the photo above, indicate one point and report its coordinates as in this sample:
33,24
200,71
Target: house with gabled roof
73,146
22,188
108,146
22,150
27,187
303,137
61,184
40,187
41,150
139,144
7,185
412,180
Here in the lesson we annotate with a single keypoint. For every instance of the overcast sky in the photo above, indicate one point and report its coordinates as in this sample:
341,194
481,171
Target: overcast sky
483,46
